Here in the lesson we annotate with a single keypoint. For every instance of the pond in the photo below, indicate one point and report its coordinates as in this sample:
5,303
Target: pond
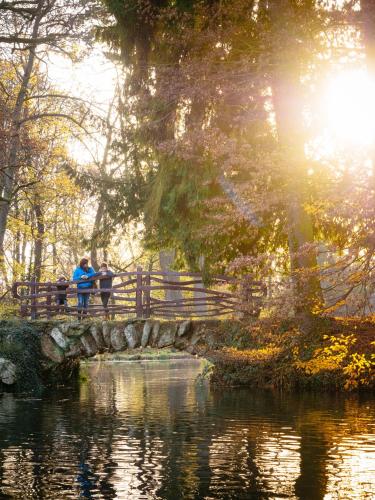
149,430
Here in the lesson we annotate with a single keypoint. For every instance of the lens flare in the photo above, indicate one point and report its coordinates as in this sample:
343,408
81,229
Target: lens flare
350,109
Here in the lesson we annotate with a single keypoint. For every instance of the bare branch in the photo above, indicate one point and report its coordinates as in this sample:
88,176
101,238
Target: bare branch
55,115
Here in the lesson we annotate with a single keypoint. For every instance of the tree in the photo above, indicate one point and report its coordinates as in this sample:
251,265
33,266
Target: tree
181,71
30,29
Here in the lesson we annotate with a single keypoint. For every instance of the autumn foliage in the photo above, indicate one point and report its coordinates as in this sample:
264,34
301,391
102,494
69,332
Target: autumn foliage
340,356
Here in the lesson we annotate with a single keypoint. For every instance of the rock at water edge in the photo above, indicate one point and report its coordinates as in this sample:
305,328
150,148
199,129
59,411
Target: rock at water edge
8,372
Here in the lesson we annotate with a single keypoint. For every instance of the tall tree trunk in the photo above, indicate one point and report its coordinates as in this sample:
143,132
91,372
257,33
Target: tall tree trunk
100,211
96,234
166,258
40,231
368,33
286,92
54,247
11,165
30,268
16,257
24,244
201,306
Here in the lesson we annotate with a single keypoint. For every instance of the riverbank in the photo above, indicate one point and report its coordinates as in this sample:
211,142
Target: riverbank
22,365
337,354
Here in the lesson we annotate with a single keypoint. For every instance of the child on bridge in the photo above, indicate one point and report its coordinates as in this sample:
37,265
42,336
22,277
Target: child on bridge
104,284
61,296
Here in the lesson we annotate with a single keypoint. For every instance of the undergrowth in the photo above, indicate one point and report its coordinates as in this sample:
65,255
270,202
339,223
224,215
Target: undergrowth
337,354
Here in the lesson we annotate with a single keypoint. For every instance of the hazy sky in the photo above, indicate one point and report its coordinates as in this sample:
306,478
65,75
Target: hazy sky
94,80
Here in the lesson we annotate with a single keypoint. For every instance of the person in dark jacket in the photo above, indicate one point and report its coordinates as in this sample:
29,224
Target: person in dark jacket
105,283
83,273
61,297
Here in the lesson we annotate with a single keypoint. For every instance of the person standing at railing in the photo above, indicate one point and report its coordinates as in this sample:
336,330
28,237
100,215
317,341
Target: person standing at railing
83,272
61,296
104,284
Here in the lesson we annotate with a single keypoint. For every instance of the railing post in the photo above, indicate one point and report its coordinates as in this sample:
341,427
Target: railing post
33,300
147,296
138,294
49,300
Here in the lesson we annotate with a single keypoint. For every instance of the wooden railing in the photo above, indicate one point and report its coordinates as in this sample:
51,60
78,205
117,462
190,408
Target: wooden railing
143,294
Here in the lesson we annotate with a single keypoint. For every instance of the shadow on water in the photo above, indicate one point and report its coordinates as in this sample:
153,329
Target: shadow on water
147,430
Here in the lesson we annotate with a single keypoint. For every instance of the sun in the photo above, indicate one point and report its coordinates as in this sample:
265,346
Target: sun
349,106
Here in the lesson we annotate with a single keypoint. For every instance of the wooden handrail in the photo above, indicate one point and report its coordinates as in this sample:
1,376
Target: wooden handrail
139,295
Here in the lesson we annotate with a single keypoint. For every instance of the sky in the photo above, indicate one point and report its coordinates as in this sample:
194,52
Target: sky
94,80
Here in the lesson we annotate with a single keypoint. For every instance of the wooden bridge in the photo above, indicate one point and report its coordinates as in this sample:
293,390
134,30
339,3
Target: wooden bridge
144,294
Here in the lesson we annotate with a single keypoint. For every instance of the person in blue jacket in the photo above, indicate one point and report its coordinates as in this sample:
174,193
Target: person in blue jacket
83,272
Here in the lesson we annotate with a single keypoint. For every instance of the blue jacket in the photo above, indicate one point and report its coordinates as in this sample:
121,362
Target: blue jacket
79,272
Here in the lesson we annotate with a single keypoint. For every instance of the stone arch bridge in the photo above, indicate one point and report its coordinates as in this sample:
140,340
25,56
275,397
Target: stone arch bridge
74,339
60,345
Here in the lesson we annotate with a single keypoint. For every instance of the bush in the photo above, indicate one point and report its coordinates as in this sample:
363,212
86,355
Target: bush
20,343
338,354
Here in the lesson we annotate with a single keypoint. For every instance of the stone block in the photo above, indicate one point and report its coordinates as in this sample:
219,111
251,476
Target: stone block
64,327
181,343
51,350
75,348
197,335
89,344
167,335
147,330
155,333
75,328
118,340
106,331
133,336
59,338
97,334
184,328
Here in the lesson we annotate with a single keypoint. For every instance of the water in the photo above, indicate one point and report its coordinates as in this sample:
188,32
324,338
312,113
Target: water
148,431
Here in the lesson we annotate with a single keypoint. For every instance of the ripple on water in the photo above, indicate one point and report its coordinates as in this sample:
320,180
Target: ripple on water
148,431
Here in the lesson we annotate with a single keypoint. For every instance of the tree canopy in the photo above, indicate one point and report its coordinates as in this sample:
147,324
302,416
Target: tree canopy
214,145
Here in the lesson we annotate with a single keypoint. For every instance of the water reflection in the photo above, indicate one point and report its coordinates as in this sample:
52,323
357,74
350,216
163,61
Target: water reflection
147,431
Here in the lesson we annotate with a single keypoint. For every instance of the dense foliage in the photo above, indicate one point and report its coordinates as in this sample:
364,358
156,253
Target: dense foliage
220,130
213,146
